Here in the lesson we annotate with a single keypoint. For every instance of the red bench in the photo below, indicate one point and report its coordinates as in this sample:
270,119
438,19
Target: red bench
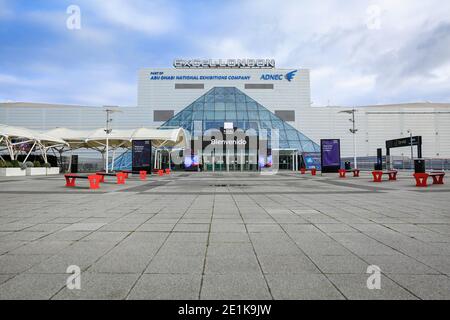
422,178
313,171
94,180
120,176
142,174
378,175
342,172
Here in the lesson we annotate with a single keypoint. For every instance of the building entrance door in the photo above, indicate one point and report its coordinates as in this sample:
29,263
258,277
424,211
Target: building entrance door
231,162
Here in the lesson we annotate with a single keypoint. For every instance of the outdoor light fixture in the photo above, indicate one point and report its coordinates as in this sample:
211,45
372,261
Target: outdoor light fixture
109,110
353,131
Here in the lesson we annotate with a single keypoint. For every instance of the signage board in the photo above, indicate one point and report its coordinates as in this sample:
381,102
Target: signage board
141,154
312,160
330,150
404,142
224,63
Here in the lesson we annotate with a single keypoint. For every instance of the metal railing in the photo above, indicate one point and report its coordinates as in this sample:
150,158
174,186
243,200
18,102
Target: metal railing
399,163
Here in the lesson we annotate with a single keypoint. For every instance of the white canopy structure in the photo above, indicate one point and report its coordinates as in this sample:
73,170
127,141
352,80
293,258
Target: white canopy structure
74,138
162,137
18,139
120,138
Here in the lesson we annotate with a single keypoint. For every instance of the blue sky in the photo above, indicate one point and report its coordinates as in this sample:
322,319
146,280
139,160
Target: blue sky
359,52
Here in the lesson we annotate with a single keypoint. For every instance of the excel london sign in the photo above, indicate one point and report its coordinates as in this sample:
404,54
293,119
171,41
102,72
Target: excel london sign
224,63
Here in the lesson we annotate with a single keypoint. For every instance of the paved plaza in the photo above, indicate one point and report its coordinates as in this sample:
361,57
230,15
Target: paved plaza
225,236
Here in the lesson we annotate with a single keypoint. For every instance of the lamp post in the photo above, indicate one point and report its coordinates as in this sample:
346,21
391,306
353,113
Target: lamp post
353,130
109,110
412,148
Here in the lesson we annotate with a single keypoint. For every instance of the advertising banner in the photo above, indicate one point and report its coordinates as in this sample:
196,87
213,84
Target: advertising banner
141,155
312,160
331,155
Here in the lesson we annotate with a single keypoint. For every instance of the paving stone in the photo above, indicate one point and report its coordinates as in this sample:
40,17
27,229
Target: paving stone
340,264
166,287
354,287
100,286
32,286
244,286
302,287
427,287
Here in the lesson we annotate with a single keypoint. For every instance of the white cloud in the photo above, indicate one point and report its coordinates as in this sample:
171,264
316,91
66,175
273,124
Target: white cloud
151,18
346,57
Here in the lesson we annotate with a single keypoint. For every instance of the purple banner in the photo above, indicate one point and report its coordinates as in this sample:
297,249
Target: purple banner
331,153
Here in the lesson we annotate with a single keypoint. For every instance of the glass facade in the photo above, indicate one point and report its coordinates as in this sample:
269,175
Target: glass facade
229,104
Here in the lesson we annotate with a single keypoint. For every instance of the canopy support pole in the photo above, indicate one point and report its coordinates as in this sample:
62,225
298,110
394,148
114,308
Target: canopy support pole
31,150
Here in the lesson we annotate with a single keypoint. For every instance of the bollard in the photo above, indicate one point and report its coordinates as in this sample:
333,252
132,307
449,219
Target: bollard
342,173
143,175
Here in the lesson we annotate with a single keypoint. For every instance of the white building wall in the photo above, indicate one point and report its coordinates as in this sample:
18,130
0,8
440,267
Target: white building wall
162,95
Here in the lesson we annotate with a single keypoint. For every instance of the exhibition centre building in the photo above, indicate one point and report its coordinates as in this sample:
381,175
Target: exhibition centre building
235,109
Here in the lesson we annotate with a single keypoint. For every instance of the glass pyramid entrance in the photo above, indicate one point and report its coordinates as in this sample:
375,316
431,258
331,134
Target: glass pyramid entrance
229,104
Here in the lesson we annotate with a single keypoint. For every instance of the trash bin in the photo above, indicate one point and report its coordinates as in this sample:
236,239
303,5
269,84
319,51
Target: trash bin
419,166
347,165
74,164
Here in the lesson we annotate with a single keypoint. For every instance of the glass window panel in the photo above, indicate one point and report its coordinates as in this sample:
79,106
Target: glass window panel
295,144
186,116
277,124
291,134
241,107
219,90
198,106
172,123
209,106
240,125
253,115
240,98
209,115
198,115
201,99
231,115
283,144
251,105
219,115
248,99
220,98
219,106
264,115
283,136
307,146
274,117
265,124
229,90
253,125
242,115
229,98
230,106
209,98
